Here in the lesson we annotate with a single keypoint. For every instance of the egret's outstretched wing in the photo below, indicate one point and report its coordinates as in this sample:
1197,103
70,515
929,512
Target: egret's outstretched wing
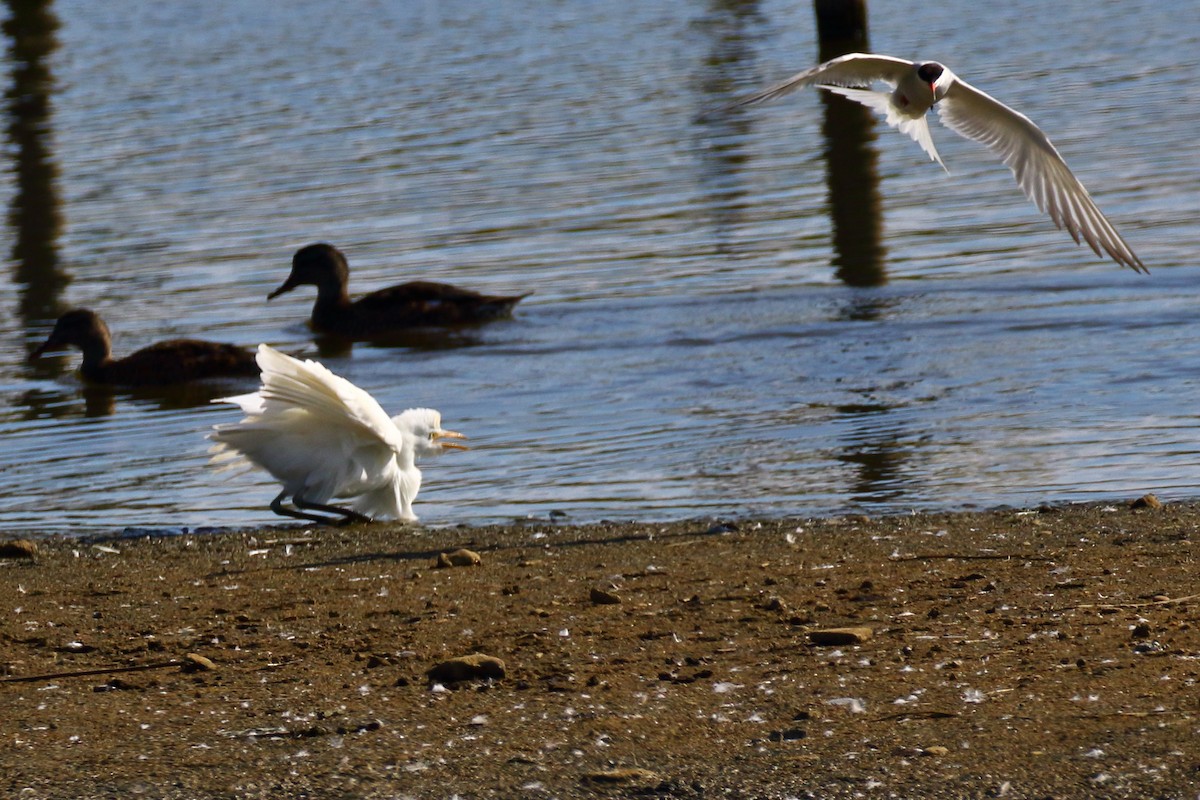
315,432
855,69
1039,169
288,383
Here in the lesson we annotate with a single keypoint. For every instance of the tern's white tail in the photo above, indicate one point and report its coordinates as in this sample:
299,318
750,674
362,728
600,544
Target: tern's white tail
915,127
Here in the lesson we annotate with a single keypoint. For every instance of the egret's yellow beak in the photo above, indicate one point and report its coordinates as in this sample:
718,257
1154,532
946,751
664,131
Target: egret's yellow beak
437,438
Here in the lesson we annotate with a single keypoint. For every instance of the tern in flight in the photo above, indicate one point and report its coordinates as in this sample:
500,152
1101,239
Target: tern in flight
918,86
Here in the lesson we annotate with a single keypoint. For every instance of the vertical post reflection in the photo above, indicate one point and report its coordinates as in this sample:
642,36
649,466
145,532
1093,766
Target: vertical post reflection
722,159
874,442
849,130
874,448
34,216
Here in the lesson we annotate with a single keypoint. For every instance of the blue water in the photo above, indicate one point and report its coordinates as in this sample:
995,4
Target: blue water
694,346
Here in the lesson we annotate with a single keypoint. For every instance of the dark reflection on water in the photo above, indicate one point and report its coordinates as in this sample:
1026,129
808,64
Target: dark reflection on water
851,157
34,216
866,307
876,451
729,27
94,400
422,340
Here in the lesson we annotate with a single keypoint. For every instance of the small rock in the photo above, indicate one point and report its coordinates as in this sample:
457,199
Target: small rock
789,735
839,636
625,775
775,603
458,558
1140,631
906,751
936,750
476,666
194,662
560,683
18,548
600,597
1146,501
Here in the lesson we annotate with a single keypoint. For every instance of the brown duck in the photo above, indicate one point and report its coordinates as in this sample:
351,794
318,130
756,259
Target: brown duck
173,361
408,305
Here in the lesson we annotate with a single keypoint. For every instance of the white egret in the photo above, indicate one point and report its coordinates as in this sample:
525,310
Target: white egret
918,86
322,437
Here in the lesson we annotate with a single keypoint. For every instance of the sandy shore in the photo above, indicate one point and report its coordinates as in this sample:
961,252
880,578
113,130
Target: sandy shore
1042,653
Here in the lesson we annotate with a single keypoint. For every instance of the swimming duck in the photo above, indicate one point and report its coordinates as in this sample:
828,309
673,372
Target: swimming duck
397,308
173,361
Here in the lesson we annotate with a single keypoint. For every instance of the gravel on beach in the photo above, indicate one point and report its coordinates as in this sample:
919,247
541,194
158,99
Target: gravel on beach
1048,652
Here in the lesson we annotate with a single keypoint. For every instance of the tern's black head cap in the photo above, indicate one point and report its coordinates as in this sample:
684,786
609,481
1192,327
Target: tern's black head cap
930,71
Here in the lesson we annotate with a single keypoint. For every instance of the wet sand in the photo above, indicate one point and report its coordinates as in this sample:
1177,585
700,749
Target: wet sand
1039,653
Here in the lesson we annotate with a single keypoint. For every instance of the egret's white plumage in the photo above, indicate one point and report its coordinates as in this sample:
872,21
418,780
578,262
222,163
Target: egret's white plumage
323,438
917,86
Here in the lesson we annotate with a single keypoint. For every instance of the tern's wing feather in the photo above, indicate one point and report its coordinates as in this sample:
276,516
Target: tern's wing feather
916,127
1039,169
855,69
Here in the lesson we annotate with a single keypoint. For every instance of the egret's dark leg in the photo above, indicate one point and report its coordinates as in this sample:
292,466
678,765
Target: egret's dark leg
347,516
277,507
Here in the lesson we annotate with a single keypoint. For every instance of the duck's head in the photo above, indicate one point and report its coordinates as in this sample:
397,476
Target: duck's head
317,265
80,328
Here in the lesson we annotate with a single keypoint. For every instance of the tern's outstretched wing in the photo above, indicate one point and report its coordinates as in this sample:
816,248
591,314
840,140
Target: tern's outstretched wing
855,69
1039,169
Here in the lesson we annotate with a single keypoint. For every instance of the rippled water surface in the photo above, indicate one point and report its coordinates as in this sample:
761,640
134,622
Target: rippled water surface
715,330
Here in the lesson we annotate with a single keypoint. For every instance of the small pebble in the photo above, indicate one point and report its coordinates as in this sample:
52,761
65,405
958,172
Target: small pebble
789,735
1146,501
476,666
18,548
775,604
458,558
627,775
600,597
839,636
194,662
